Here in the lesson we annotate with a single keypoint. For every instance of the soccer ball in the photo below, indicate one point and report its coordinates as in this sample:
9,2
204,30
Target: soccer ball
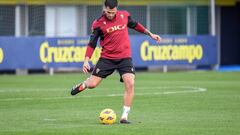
107,116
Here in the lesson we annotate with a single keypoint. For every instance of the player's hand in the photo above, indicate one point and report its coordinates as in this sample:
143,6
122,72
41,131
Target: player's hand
156,37
86,67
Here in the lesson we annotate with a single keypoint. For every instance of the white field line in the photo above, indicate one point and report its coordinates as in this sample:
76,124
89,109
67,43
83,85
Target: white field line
61,89
185,89
47,119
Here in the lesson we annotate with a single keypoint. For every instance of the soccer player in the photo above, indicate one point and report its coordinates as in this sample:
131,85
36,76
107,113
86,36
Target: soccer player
112,29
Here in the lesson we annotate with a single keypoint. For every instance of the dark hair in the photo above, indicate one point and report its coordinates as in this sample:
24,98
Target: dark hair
111,3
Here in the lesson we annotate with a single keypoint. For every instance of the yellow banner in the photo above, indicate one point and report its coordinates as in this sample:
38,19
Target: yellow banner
121,2
1,55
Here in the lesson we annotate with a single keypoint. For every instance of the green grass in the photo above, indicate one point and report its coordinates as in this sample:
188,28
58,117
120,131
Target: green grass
165,104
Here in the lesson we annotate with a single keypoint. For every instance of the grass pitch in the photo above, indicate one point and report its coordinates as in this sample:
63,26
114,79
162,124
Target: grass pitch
184,103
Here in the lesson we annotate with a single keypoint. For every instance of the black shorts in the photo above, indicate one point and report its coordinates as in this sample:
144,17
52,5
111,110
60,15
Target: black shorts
106,67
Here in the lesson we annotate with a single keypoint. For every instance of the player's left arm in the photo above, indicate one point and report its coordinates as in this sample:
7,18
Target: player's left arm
140,28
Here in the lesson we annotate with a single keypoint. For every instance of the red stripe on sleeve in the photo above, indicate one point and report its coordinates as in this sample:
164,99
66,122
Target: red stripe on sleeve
89,51
140,28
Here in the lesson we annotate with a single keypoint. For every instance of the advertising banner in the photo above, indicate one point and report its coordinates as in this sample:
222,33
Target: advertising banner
42,52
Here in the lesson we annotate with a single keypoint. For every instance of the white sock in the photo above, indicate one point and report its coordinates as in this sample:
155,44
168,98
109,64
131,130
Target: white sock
85,83
126,110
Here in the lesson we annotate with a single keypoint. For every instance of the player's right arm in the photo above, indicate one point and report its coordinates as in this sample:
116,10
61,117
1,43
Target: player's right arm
96,31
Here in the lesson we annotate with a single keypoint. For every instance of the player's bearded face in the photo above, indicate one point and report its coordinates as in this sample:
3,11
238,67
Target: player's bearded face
110,13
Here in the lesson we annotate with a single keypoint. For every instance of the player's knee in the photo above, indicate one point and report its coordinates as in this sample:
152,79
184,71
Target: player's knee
130,85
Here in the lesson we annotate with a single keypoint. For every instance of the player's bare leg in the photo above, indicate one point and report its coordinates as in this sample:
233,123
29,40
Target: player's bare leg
128,79
90,83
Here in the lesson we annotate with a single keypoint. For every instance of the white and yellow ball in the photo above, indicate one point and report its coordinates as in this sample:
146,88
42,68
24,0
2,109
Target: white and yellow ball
107,116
